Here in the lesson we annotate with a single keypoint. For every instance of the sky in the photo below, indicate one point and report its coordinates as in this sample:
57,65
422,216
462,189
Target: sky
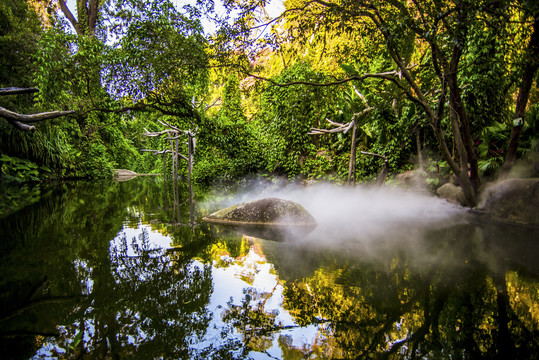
274,9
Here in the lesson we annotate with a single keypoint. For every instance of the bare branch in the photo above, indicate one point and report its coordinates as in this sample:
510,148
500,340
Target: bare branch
334,123
373,154
156,152
170,126
20,126
344,128
385,76
212,104
361,96
117,111
13,116
161,152
16,91
159,133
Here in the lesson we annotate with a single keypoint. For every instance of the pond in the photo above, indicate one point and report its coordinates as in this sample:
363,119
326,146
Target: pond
129,270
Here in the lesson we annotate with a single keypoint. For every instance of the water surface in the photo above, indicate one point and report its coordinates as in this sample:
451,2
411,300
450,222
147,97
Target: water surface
128,270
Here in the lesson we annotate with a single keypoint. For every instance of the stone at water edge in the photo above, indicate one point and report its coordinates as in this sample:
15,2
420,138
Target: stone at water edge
277,215
452,193
513,200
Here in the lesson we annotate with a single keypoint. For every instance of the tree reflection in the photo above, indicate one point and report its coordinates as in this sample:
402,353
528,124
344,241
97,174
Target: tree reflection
453,308
82,277
120,301
458,300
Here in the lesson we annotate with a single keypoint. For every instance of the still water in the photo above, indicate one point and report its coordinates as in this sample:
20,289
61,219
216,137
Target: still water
128,270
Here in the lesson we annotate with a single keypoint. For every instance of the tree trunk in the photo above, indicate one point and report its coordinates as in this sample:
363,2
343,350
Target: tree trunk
530,67
418,145
385,168
462,132
190,164
165,176
87,13
352,164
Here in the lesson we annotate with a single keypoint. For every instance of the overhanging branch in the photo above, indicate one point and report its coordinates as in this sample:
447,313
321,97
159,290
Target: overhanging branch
19,120
17,91
11,115
389,75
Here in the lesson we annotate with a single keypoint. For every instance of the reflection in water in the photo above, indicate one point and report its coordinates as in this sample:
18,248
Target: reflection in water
109,271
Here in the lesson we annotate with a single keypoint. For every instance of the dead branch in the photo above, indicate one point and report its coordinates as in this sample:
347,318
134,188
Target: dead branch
10,115
212,104
373,154
156,152
344,128
17,91
161,152
19,120
159,133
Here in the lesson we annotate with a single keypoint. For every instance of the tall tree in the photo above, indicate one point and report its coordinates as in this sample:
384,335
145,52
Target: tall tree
426,43
87,16
530,66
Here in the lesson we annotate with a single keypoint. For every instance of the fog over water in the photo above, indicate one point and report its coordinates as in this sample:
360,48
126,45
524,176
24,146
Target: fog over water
361,214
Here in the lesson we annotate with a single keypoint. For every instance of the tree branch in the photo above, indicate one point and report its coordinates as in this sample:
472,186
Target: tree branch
92,16
10,115
16,91
384,75
69,15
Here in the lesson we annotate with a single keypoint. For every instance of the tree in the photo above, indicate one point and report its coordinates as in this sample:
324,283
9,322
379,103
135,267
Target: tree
287,115
530,66
124,57
20,121
426,43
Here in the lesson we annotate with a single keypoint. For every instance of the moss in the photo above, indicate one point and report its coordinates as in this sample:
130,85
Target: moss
265,211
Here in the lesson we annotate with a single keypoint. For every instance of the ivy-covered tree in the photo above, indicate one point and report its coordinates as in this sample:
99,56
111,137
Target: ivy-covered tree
287,115
431,47
123,56
228,142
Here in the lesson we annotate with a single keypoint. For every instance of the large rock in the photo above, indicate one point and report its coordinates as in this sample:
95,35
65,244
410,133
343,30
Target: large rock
452,193
513,200
268,218
413,179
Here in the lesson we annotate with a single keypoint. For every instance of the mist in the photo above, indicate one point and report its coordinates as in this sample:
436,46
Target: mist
361,214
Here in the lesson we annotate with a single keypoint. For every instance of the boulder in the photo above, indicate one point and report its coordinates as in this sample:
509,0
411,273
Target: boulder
451,193
512,200
412,180
268,218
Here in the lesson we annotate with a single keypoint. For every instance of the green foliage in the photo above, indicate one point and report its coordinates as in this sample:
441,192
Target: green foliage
158,50
229,144
286,117
19,33
95,162
14,196
231,112
20,170
493,140
151,53
485,77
